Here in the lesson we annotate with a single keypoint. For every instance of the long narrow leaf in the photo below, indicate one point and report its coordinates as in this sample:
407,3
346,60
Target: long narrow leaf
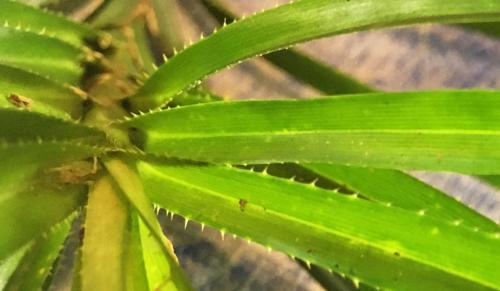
103,250
353,236
20,161
40,54
19,88
166,15
114,13
33,212
14,13
132,188
297,64
36,264
22,125
159,268
488,28
449,131
8,266
493,180
296,22
404,191
135,269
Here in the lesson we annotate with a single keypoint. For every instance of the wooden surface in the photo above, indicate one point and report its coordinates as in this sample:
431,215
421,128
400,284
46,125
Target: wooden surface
421,57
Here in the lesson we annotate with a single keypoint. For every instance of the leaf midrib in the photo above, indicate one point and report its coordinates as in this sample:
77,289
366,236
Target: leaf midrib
284,132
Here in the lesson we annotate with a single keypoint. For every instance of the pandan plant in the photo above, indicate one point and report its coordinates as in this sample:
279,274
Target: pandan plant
97,132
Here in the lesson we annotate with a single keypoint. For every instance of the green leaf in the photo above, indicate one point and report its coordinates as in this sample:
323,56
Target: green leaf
362,239
159,268
297,22
404,191
8,266
118,265
65,269
37,3
46,56
114,13
297,64
131,186
493,180
43,95
103,249
166,13
20,161
388,186
15,14
142,43
333,281
488,28
32,212
194,96
318,75
23,125
36,264
135,268
455,131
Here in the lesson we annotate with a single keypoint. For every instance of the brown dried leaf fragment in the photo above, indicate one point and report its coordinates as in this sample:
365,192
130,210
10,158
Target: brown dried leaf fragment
20,101
79,172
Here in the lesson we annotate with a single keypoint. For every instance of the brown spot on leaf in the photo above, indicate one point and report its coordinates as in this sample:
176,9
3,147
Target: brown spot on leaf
243,204
79,172
20,101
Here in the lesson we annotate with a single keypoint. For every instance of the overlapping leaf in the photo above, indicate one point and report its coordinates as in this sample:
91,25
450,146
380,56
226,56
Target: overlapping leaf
349,235
131,187
19,88
401,190
488,28
160,269
114,13
106,226
36,264
297,64
454,131
17,14
32,212
135,266
20,161
118,265
296,22
388,186
8,266
40,54
30,141
22,125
